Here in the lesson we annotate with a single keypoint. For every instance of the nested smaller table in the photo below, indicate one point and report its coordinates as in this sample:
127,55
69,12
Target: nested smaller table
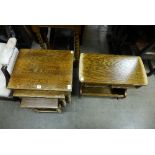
44,75
110,75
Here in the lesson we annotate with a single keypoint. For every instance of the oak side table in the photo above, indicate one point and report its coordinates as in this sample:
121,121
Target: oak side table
110,75
43,79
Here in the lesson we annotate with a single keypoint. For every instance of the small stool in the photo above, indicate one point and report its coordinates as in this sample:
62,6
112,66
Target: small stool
43,79
110,75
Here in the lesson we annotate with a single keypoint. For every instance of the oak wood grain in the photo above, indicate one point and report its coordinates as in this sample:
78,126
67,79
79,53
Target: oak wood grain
42,69
104,69
40,93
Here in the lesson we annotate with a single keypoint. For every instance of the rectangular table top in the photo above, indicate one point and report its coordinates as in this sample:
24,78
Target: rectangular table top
108,69
38,69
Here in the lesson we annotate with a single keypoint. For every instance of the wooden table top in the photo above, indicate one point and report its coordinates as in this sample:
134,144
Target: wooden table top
37,69
107,69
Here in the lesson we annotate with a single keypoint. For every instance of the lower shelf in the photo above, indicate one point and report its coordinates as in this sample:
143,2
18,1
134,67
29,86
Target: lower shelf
42,104
47,110
104,91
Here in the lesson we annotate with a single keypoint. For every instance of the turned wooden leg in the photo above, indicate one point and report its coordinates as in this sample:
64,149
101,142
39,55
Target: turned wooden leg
59,109
80,89
68,98
77,46
36,30
63,102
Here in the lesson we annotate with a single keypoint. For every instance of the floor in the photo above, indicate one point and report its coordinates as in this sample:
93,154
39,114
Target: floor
135,111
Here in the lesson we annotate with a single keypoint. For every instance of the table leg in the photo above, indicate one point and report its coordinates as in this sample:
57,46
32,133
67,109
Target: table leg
36,30
77,46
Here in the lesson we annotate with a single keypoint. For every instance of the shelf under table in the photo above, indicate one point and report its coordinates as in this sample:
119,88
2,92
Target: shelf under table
103,91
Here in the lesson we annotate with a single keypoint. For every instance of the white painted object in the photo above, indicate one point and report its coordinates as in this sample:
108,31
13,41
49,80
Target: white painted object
8,56
69,87
7,50
38,86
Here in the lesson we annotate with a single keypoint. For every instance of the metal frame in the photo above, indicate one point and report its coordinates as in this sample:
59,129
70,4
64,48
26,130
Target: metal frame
6,74
7,77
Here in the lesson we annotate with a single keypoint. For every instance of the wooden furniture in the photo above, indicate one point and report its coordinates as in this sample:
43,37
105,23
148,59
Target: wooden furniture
43,75
137,40
110,75
44,43
147,52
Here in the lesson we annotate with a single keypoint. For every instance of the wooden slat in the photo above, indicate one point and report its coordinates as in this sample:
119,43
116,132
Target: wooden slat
48,110
103,91
39,93
105,85
40,103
